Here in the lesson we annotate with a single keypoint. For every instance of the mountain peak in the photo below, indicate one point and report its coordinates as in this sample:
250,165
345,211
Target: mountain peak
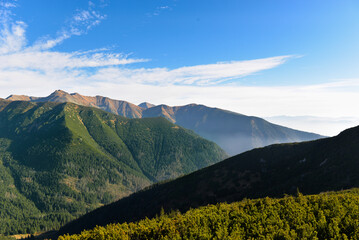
192,105
59,92
146,105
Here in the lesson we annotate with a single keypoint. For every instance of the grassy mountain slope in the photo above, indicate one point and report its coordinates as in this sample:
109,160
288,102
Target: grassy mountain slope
332,215
311,167
233,132
61,160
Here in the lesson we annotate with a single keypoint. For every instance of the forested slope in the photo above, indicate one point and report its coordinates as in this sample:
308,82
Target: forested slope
59,161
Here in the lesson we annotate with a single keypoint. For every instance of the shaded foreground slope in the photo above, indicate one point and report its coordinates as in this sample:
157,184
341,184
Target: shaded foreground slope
233,132
311,167
59,161
333,215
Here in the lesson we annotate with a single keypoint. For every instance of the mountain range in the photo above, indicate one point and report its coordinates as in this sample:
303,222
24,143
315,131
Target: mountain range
61,160
309,167
233,132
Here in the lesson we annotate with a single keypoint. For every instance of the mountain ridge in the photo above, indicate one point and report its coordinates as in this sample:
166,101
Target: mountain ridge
234,132
118,107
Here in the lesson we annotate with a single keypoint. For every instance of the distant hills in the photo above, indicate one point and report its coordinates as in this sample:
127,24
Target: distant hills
233,132
61,160
310,167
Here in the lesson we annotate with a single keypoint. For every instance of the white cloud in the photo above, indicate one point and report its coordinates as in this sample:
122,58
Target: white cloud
210,74
17,57
12,37
46,61
8,4
162,8
80,23
12,33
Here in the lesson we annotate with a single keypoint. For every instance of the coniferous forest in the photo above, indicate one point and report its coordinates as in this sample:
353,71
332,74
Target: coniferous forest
332,215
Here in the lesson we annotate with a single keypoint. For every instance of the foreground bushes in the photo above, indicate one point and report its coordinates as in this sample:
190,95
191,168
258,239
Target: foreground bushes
323,216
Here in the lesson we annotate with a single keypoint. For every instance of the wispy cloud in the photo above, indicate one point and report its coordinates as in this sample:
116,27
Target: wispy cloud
210,74
12,33
161,9
166,6
8,4
16,55
80,23
12,37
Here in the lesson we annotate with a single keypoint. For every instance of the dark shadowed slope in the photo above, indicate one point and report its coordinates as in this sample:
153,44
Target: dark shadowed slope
58,161
311,167
233,132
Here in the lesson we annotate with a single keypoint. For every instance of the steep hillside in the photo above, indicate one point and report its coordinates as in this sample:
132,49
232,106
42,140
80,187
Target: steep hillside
58,161
233,132
311,167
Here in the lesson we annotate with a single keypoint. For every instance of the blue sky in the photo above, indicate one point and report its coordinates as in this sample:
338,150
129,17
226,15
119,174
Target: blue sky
262,58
